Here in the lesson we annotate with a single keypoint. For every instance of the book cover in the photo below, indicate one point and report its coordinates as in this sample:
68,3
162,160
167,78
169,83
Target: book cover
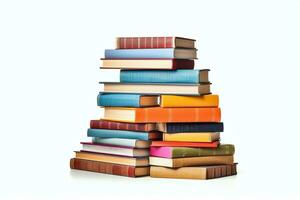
190,161
214,144
108,168
158,114
165,76
199,172
114,150
189,101
181,152
107,133
123,142
123,160
149,63
157,88
191,127
151,53
192,137
153,42
126,100
104,124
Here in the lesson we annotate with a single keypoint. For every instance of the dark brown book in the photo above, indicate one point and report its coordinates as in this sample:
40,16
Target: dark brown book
108,168
104,124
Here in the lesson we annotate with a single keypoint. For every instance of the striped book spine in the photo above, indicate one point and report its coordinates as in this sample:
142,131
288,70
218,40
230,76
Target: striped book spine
103,124
145,42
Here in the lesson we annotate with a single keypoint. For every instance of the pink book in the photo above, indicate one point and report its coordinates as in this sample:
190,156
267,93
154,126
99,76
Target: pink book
165,152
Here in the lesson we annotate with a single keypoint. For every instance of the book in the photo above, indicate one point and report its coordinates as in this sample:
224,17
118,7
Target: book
114,150
158,114
192,137
214,144
107,133
165,76
123,160
149,63
154,42
104,124
178,53
190,161
126,100
156,88
200,172
123,142
191,127
108,168
181,152
189,101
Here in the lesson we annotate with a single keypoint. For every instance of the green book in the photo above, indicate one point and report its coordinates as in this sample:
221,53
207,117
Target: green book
181,152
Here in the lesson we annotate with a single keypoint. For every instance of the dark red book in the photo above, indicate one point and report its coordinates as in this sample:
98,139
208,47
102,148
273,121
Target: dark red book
104,124
154,42
109,168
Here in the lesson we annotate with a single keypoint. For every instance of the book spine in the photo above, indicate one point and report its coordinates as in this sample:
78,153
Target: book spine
102,124
115,141
183,64
193,127
106,133
191,137
159,76
145,42
118,100
100,167
189,101
139,53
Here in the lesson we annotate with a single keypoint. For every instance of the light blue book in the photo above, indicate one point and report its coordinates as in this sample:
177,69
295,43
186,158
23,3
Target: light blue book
126,100
164,76
151,53
107,133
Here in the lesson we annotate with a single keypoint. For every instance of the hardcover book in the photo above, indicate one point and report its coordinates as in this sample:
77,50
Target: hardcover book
190,161
178,53
106,158
214,144
114,150
189,101
191,127
200,172
108,168
192,137
154,42
107,133
158,114
126,100
104,124
123,142
156,88
165,76
161,63
181,152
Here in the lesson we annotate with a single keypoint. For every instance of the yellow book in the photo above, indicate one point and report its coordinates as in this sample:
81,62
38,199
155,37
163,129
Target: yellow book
192,137
189,101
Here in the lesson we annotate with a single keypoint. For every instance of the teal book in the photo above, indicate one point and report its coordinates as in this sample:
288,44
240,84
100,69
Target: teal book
126,100
164,76
107,133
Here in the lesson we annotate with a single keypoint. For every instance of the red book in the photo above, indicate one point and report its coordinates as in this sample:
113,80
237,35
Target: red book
108,168
104,124
154,42
214,144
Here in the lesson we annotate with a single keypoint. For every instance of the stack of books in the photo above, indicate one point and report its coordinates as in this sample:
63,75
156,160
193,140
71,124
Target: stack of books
160,103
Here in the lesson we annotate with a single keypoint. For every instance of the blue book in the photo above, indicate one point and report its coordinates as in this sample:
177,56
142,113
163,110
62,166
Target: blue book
126,100
151,53
164,76
107,133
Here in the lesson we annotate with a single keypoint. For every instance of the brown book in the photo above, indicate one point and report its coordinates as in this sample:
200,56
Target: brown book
190,161
108,168
200,172
104,124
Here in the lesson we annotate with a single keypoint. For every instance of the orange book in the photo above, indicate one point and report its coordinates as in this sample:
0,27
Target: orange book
189,101
158,114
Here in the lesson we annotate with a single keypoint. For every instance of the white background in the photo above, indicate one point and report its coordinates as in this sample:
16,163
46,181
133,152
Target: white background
49,59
